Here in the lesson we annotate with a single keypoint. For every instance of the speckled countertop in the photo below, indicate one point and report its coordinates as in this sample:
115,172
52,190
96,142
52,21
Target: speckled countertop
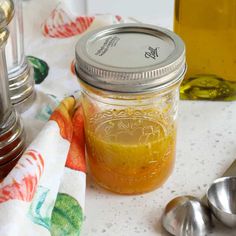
206,146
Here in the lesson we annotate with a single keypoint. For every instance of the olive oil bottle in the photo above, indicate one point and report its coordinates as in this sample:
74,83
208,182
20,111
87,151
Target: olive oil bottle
209,31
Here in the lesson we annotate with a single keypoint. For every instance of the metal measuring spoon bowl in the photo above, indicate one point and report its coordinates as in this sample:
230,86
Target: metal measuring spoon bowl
187,216
221,197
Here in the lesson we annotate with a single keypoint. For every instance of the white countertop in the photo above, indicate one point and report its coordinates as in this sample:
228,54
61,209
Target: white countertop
206,146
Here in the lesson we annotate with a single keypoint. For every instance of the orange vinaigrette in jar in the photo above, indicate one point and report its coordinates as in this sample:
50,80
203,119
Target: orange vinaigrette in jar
130,154
130,98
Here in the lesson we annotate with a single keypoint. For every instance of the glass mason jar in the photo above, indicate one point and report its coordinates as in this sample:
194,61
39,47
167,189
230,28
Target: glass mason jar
130,76
208,29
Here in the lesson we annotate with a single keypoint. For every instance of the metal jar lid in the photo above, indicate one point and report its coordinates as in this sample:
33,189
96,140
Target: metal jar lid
130,58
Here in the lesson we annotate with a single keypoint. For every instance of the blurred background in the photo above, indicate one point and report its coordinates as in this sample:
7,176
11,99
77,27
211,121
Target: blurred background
149,11
159,12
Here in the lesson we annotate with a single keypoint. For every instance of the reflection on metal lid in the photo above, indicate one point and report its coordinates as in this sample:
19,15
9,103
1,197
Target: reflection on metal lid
130,58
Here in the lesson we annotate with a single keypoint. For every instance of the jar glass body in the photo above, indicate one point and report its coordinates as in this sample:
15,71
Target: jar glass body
130,138
208,29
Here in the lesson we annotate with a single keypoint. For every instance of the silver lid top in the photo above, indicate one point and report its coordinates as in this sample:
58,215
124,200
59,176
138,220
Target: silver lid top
130,58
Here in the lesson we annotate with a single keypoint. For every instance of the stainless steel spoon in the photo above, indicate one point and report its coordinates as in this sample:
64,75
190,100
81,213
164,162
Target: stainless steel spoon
222,200
189,216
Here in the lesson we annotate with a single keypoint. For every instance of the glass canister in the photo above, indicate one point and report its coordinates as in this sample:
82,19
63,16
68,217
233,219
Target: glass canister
130,76
20,72
208,29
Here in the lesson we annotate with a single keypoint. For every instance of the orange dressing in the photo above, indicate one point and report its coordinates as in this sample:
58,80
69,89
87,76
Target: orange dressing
130,152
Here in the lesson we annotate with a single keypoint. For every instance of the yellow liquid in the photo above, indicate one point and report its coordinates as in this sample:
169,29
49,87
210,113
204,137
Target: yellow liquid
208,28
131,155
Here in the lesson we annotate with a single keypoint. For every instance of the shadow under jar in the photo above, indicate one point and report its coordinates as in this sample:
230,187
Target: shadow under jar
130,76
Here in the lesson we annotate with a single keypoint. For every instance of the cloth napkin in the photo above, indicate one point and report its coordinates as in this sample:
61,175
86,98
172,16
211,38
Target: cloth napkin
44,194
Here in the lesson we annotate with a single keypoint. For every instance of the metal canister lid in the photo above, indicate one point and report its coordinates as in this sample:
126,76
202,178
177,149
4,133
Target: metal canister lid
130,58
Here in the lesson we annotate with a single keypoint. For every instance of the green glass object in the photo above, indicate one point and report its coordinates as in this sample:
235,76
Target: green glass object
67,216
208,87
41,69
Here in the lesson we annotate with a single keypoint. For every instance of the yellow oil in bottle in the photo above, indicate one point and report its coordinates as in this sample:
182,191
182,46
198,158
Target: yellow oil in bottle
208,29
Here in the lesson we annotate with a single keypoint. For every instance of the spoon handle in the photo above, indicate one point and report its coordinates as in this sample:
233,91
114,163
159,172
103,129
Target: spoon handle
231,171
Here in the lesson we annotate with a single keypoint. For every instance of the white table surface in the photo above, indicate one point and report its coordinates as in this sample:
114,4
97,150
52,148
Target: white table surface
206,146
